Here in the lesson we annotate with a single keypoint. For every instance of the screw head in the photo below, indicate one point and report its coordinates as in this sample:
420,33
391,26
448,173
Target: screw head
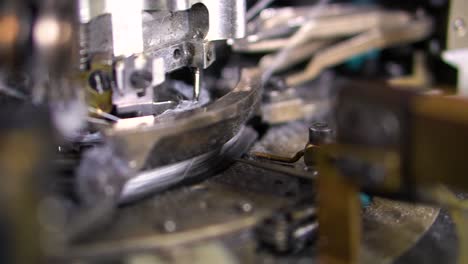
169,226
245,207
99,81
459,26
320,133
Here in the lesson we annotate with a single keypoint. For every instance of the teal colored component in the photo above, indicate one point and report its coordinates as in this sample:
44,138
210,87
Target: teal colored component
366,200
356,63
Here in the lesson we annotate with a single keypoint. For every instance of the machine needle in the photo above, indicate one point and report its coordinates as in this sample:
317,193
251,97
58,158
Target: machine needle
197,84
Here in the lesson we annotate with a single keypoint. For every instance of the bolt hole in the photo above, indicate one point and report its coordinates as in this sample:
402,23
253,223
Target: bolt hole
177,54
289,194
278,182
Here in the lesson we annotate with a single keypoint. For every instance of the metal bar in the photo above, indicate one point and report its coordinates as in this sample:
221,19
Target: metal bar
272,157
277,168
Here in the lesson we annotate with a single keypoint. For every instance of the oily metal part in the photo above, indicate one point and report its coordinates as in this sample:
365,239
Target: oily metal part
300,103
231,24
229,205
293,17
404,223
180,136
375,38
233,203
163,243
158,180
285,140
162,178
214,210
323,26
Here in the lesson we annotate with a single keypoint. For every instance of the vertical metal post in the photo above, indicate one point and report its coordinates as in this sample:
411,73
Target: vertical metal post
197,84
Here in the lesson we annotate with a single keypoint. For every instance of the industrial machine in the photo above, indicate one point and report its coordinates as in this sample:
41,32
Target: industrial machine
241,131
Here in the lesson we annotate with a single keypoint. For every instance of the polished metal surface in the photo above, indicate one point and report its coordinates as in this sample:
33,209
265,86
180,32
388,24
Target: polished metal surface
145,40
213,211
404,224
226,18
183,135
192,131
379,37
159,179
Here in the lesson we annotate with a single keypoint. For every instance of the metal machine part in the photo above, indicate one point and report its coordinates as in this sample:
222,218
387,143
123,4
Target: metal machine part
149,182
325,37
393,159
158,102
291,229
150,131
152,141
373,39
145,40
231,206
312,33
335,21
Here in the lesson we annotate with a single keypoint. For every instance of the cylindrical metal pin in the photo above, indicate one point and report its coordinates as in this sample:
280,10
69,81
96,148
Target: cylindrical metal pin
197,84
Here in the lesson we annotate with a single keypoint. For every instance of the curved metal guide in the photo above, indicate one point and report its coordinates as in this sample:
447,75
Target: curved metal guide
161,178
180,136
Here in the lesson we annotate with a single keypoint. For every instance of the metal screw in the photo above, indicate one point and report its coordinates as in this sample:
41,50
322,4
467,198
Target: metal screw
460,26
245,207
170,226
319,133
99,81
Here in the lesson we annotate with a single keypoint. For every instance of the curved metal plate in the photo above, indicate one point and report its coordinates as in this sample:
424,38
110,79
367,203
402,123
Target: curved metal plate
391,228
187,134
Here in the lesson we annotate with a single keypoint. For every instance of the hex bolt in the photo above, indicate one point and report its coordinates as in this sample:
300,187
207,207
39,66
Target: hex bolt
319,133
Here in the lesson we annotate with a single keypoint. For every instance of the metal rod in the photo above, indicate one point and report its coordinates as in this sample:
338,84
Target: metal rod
197,84
283,159
278,168
101,113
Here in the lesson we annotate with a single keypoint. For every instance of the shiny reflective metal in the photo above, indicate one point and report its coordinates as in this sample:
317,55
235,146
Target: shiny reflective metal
335,21
155,37
158,179
179,136
297,34
320,133
373,39
226,18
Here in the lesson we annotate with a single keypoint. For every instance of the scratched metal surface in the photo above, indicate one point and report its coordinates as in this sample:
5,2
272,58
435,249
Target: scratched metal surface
392,230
